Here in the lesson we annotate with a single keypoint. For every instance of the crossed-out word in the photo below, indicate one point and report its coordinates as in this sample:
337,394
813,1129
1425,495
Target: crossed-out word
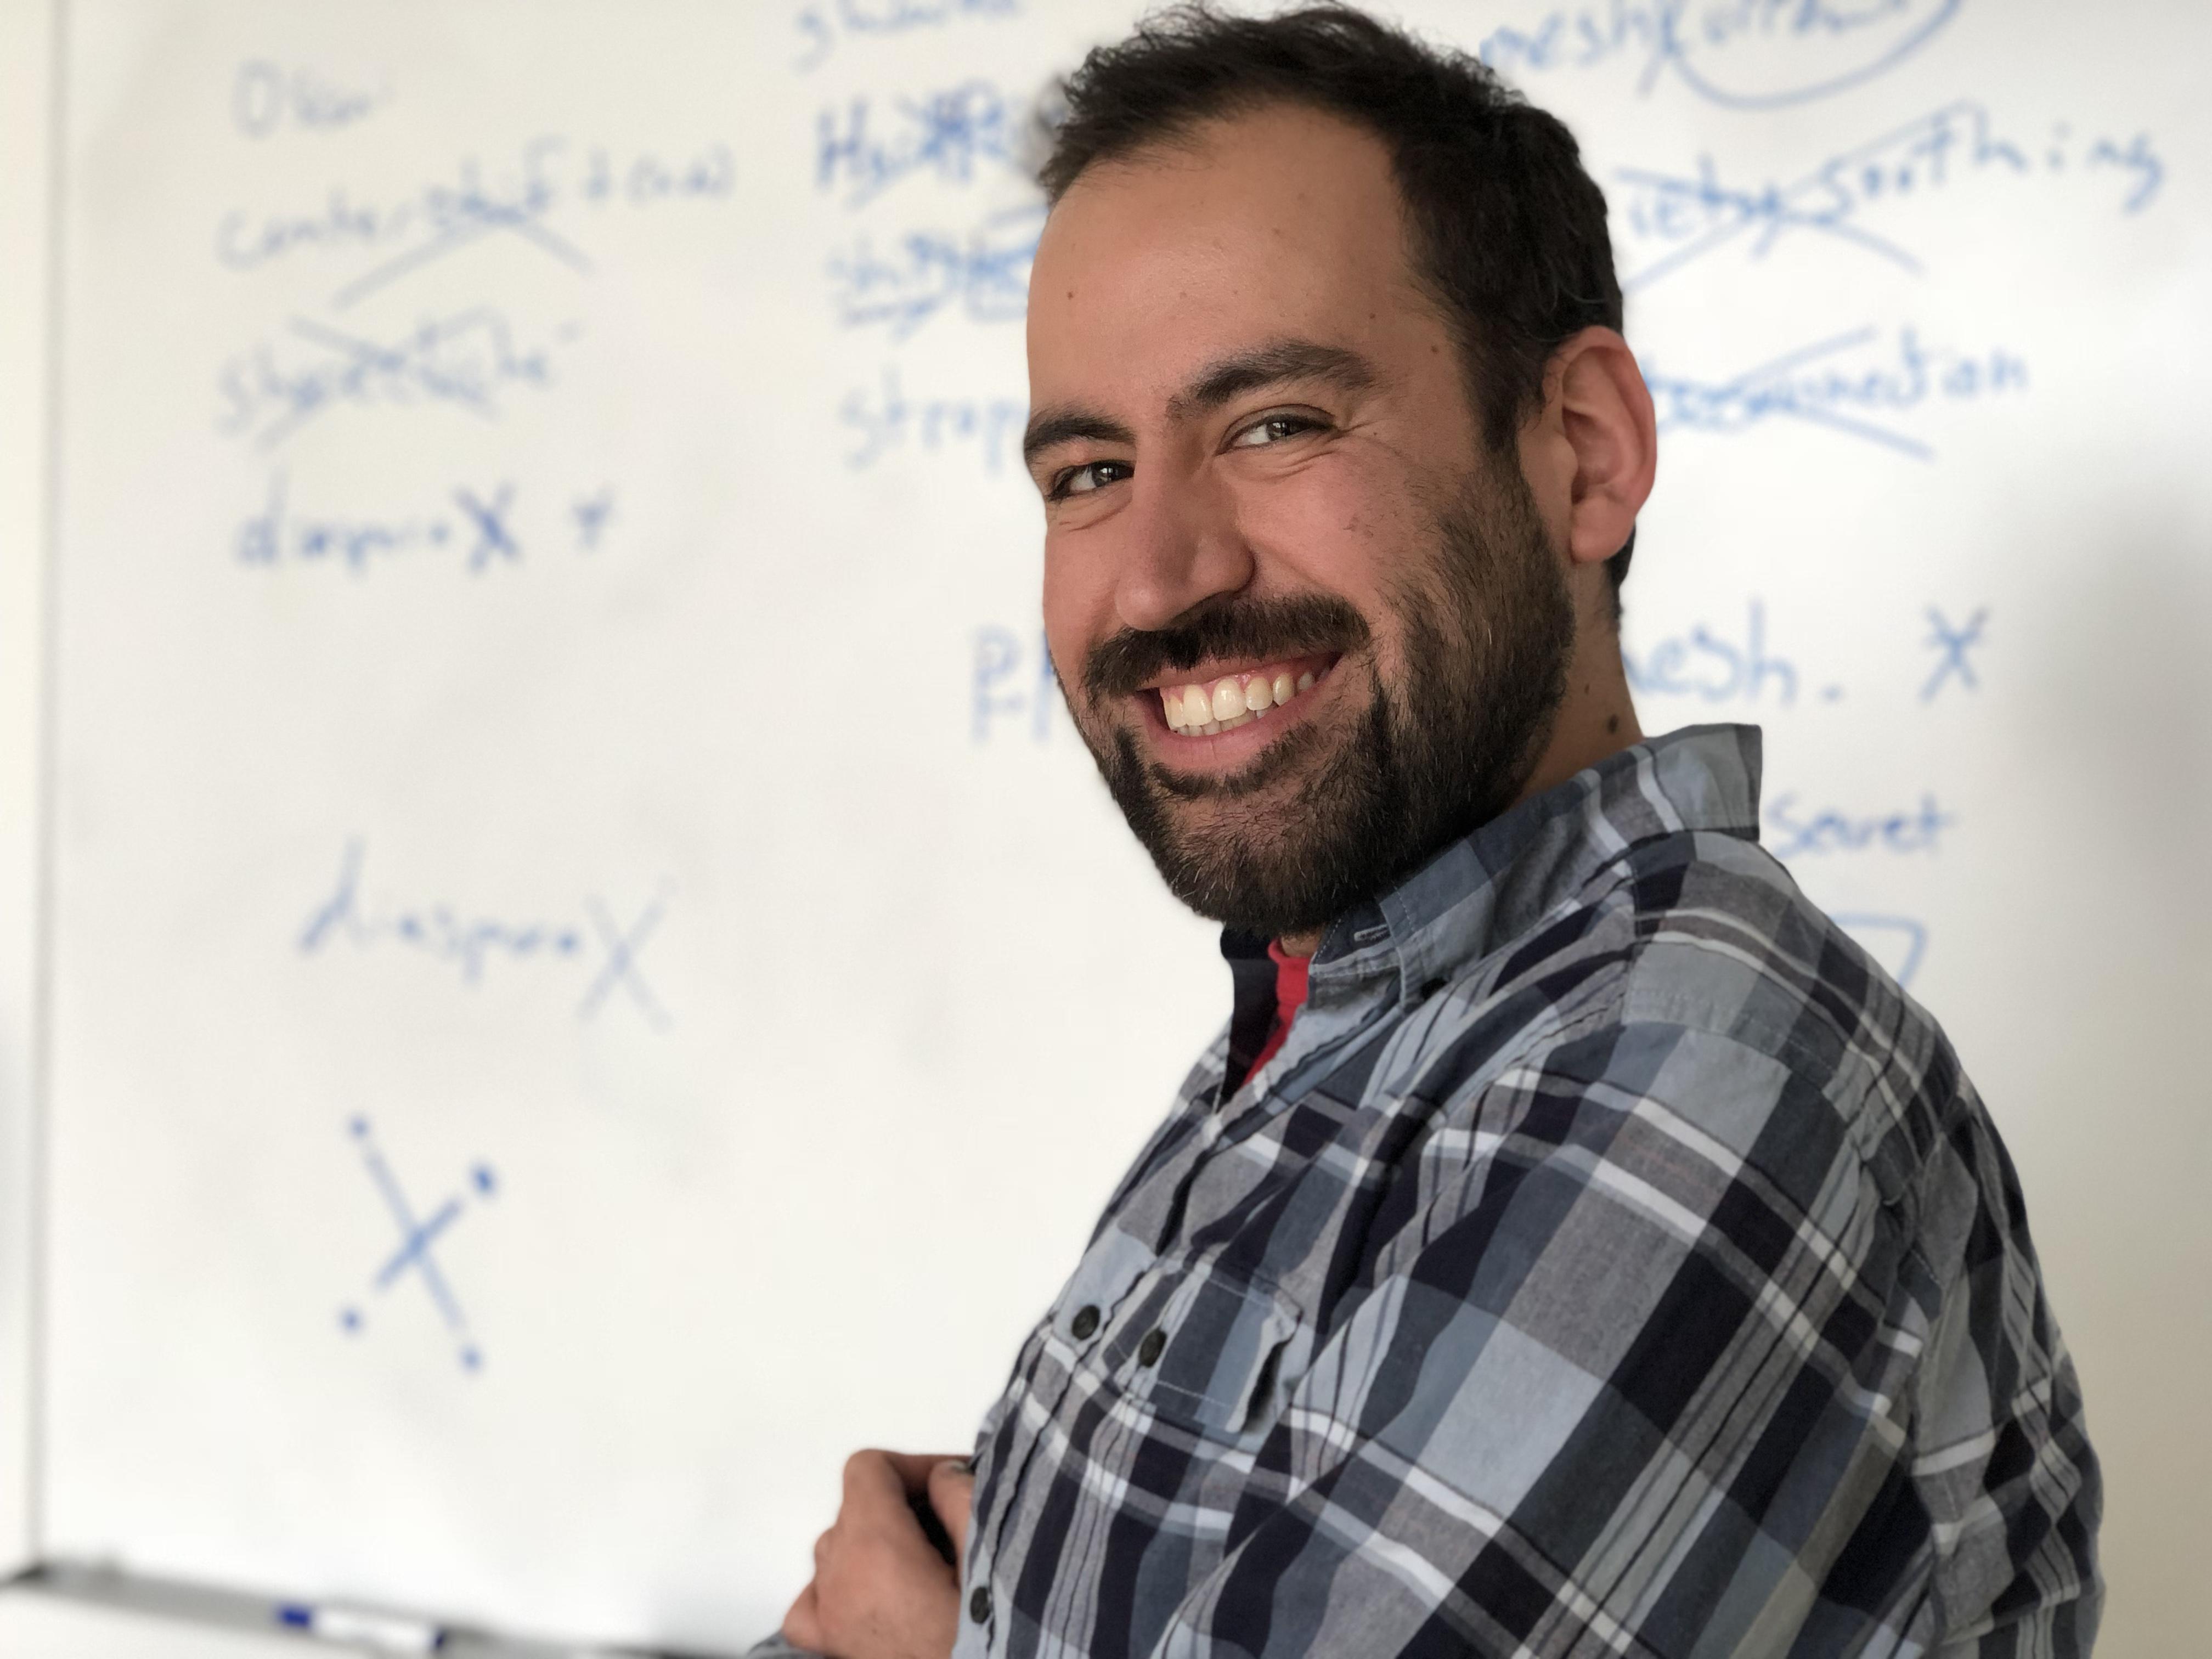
430,222
985,273
1696,213
1826,47
1838,384
464,360
955,133
414,1255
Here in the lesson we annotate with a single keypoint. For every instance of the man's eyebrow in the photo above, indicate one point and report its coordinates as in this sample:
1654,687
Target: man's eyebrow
1267,365
1058,424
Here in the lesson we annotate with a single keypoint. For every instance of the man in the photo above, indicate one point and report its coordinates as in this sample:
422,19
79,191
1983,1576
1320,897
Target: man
1574,1245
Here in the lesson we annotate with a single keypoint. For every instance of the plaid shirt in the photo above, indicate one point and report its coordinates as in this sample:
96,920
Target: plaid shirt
1613,1261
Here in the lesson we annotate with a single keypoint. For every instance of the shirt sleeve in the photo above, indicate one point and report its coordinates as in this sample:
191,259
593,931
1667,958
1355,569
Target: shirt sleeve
1633,1373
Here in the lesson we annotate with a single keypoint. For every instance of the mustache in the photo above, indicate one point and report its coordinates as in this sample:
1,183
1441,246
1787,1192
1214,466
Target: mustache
1303,626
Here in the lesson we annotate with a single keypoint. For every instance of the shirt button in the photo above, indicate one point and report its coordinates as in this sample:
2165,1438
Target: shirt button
1086,1321
1149,1349
979,1605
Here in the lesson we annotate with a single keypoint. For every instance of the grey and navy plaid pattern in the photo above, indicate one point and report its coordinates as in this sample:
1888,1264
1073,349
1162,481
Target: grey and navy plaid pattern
1614,1261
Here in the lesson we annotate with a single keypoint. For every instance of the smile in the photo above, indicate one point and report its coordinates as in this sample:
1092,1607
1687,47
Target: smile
1207,707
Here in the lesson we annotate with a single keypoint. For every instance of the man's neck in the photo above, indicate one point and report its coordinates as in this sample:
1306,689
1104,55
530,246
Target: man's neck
1596,719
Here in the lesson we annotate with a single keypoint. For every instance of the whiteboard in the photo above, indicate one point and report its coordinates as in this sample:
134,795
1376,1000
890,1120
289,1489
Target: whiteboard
26,45
588,975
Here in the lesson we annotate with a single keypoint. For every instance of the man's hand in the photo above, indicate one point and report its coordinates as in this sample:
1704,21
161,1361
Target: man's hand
880,1589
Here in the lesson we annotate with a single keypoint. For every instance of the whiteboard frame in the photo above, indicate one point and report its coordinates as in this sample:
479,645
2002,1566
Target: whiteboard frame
30,57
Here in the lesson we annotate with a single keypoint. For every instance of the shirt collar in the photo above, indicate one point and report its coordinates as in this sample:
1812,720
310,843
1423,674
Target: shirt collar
1488,887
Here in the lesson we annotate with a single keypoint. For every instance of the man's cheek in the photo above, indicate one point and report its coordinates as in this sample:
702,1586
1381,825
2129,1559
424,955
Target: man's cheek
1323,529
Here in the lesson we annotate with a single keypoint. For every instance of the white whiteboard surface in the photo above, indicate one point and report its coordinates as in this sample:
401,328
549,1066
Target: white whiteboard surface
550,736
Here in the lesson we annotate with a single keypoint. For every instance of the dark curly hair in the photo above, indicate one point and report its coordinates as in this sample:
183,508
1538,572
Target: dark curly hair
1509,230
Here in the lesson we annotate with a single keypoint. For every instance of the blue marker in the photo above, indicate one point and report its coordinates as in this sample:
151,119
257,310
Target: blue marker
388,1632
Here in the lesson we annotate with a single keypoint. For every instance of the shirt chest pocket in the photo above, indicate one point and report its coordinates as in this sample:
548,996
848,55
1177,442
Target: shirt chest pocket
1213,1357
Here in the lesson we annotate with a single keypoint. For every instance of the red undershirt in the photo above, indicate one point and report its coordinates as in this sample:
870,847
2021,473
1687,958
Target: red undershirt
1290,997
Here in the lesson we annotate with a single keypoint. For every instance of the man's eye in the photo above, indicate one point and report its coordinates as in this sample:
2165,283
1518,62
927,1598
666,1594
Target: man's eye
1091,476
1273,429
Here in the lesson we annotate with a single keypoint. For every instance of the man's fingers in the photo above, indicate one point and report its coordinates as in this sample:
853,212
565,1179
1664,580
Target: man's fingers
914,1467
822,1549
879,1505
952,1495
871,1481
889,1474
802,1625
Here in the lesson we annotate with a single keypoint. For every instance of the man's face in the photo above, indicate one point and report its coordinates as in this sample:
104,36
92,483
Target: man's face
1309,627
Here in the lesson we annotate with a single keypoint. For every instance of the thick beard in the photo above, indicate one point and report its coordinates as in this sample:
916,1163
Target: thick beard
1489,635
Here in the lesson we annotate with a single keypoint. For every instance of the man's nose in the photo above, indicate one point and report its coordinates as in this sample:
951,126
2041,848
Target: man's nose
1186,548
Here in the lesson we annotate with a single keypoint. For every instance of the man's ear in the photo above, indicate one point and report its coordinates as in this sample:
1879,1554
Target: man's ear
1599,425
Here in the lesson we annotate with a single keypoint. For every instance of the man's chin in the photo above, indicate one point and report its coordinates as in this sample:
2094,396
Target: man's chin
1261,820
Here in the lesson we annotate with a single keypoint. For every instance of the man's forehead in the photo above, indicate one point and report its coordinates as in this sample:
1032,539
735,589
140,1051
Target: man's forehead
1282,223
1261,184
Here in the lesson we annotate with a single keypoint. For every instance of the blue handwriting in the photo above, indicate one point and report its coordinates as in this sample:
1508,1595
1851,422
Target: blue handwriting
592,514
469,943
1917,830
993,425
264,96
955,133
1002,684
464,360
479,524
1952,641
823,23
986,274
1715,668
1830,384
1695,214
1779,51
436,219
414,1255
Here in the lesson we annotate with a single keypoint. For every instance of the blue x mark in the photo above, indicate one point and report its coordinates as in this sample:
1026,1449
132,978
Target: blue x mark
1953,643
492,536
620,965
416,1238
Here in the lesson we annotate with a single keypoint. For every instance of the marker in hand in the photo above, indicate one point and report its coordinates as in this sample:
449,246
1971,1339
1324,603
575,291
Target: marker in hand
932,1528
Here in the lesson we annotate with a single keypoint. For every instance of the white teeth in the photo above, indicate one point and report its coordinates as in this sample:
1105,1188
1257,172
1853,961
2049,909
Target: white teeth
1201,710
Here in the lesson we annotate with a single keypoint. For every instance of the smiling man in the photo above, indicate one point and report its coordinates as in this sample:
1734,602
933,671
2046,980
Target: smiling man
1575,1244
